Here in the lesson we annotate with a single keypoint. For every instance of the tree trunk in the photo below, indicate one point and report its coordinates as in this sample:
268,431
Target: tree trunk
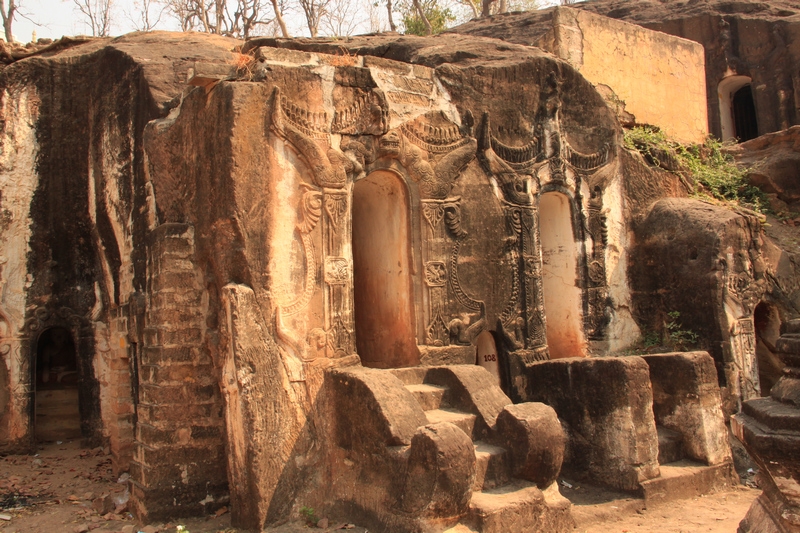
279,18
475,13
392,25
8,18
421,13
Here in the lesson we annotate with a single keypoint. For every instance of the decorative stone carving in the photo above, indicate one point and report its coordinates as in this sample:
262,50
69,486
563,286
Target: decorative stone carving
309,133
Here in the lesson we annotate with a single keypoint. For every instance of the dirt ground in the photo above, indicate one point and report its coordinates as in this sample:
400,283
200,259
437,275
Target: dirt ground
72,490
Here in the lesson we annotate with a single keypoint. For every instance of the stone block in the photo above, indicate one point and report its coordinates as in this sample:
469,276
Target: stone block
606,406
374,409
533,436
471,389
440,472
168,415
686,399
182,500
163,355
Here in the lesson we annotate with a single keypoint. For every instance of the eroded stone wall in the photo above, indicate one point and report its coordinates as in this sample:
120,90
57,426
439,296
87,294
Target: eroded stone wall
658,78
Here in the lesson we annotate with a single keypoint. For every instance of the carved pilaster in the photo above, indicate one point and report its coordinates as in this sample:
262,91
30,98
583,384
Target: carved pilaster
338,274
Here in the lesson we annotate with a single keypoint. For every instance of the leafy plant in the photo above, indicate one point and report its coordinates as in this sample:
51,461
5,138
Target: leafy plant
439,17
679,338
709,172
309,515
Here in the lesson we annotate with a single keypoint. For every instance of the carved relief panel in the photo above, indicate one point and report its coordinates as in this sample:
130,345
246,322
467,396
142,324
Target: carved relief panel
323,229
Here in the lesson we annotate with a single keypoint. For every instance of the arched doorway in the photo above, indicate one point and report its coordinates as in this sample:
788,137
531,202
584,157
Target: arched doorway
767,324
383,288
562,295
57,409
737,109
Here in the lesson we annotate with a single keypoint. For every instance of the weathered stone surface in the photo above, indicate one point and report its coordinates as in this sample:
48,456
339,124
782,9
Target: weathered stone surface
689,258
440,472
534,437
606,406
686,400
774,165
374,409
204,245
658,78
770,430
756,39
469,390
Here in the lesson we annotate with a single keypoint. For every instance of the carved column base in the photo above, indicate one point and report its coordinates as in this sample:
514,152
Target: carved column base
770,430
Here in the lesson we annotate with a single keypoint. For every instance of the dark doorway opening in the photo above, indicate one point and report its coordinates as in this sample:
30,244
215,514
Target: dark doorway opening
383,288
744,114
57,406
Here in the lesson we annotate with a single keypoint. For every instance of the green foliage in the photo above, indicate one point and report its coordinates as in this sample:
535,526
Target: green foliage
309,515
439,17
712,172
650,339
679,339
672,337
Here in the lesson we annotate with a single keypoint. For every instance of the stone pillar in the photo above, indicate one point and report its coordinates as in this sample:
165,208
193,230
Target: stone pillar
178,466
119,394
770,430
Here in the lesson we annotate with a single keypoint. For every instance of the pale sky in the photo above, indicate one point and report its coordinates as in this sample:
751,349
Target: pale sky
56,18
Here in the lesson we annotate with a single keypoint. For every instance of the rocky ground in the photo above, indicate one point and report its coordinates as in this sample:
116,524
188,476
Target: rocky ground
68,489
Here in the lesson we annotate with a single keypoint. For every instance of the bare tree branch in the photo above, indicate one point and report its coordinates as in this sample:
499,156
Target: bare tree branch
8,14
97,15
147,14
314,11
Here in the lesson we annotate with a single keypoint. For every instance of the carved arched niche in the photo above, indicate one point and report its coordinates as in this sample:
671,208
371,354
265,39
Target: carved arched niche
560,267
382,266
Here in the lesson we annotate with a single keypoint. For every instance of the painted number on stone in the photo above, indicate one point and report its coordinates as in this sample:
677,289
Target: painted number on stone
490,357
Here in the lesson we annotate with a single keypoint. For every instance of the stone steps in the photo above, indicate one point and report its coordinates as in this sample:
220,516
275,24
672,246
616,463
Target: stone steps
492,467
429,396
519,506
499,503
687,479
773,415
464,421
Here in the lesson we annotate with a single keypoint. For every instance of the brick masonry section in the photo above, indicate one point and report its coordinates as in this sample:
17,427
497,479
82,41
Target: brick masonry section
178,466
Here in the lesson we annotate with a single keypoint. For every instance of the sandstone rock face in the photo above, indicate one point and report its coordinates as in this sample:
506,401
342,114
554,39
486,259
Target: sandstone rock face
225,248
773,161
750,38
686,400
705,263
601,401
658,78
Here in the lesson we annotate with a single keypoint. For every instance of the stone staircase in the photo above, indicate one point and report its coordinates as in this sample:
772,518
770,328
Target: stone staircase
682,477
500,502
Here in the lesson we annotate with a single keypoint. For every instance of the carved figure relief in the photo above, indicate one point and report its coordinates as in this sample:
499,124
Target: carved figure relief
323,208
744,341
434,151
516,170
598,316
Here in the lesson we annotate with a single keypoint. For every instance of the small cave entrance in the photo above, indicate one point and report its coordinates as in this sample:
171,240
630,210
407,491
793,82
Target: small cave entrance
57,414
738,118
562,295
383,287
767,323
